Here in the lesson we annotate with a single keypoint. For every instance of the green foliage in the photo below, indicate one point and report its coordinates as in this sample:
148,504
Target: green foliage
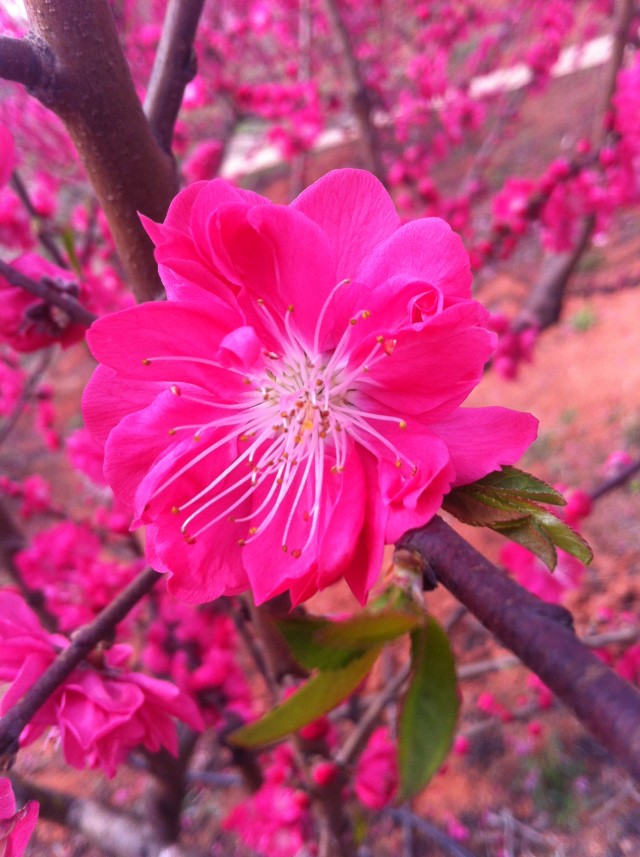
429,710
320,694
342,653
508,501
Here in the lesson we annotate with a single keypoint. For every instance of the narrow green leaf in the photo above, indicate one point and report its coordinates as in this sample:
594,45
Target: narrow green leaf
521,484
301,634
429,709
320,694
369,629
69,246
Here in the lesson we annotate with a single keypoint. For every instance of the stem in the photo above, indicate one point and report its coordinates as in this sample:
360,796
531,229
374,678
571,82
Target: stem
174,67
47,290
538,634
45,235
84,640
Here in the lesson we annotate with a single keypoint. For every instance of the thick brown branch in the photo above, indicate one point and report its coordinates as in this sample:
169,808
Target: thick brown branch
50,293
84,640
174,67
608,706
93,93
21,61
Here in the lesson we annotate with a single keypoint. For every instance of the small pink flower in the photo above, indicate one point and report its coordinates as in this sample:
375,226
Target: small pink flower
376,778
101,714
16,826
294,405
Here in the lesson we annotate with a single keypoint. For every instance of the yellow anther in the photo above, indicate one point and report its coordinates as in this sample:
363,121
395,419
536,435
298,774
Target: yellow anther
253,530
398,463
146,361
175,510
402,424
379,339
353,321
296,553
284,548
366,313
171,431
197,438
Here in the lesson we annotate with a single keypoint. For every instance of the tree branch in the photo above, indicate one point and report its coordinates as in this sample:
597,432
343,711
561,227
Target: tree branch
84,640
117,833
538,634
50,293
174,67
93,94
622,476
544,304
22,61
361,103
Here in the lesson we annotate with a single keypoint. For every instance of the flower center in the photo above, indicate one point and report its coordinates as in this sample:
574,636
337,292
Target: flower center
295,425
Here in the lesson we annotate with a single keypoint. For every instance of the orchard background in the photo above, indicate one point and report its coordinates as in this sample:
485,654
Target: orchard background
519,124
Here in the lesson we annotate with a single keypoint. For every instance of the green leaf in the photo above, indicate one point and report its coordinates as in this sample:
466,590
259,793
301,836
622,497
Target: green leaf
429,710
471,509
521,484
531,537
320,694
508,501
369,629
318,643
563,536
301,635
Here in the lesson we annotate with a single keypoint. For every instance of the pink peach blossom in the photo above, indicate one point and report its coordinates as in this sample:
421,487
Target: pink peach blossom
376,778
295,404
101,714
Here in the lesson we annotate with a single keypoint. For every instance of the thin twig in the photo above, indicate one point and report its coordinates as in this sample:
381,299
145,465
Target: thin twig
25,396
84,640
429,831
622,476
44,233
359,736
50,293
12,541
174,67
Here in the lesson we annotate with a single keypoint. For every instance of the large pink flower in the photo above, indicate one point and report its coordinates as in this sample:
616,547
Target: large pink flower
294,405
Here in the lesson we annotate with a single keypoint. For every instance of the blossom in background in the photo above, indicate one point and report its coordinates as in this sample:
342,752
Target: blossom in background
295,404
376,778
28,323
16,826
101,715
